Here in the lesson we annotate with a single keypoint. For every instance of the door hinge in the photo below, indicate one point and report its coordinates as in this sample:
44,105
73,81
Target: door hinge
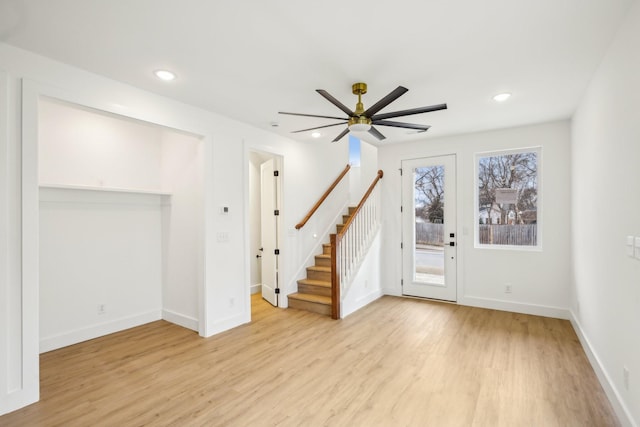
400,208
400,171
401,282
277,252
277,290
276,212
401,245
276,173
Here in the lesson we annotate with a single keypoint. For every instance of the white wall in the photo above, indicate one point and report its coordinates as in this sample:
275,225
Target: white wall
540,279
97,248
85,147
24,78
605,298
181,172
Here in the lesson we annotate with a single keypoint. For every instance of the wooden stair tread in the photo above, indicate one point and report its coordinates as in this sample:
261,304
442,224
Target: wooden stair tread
318,299
319,268
313,282
323,256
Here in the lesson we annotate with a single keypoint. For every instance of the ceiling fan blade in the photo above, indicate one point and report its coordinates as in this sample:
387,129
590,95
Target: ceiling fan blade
317,127
373,131
312,115
422,128
343,133
392,96
410,112
335,102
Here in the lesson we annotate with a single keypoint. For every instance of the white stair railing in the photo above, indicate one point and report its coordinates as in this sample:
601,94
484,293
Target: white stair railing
350,245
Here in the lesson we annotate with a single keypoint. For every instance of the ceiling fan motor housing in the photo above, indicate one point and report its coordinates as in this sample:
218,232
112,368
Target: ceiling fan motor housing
360,120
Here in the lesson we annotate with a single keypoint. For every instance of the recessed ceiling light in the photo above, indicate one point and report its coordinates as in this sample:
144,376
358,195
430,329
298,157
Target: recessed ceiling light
501,97
165,75
316,134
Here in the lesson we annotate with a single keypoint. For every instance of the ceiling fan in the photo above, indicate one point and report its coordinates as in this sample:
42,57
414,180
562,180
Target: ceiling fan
362,120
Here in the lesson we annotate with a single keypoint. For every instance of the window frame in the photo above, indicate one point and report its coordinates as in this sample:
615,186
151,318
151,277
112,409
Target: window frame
539,201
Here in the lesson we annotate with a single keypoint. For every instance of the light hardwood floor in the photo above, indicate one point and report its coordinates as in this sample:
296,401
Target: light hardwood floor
396,362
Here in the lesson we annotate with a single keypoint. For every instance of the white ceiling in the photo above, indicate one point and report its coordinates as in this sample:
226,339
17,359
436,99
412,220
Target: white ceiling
250,59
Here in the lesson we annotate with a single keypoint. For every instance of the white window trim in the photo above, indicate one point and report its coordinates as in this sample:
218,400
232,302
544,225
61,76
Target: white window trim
476,215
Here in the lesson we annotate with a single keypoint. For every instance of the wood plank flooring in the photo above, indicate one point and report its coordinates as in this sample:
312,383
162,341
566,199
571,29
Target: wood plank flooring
396,362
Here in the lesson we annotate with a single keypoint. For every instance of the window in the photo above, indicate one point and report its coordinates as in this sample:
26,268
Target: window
508,199
354,151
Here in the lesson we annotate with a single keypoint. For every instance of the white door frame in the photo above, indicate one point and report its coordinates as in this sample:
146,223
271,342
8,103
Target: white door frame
443,290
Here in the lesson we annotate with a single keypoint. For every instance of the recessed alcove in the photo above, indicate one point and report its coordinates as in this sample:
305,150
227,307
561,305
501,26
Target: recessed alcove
120,223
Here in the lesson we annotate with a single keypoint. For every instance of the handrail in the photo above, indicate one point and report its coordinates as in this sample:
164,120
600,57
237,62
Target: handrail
335,242
364,199
323,198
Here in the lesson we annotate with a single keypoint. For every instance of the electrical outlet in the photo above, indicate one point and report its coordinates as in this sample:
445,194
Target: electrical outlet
507,288
102,309
232,302
625,376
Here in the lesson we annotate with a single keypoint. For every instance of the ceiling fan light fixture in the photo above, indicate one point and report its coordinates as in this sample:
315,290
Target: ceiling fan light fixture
316,134
359,124
360,127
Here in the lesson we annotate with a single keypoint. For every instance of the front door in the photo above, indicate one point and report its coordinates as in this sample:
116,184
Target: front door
269,230
429,227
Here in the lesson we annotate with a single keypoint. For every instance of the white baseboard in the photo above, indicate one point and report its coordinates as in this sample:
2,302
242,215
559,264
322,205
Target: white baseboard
395,292
621,410
360,302
256,289
180,319
515,307
227,323
98,330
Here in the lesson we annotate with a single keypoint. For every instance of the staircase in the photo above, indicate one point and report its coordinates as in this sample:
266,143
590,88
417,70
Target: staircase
314,292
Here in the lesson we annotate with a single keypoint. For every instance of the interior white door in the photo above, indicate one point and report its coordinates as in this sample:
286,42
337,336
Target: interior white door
269,231
429,227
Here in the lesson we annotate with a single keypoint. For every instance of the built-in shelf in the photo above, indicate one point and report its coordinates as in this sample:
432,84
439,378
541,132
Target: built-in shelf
106,189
